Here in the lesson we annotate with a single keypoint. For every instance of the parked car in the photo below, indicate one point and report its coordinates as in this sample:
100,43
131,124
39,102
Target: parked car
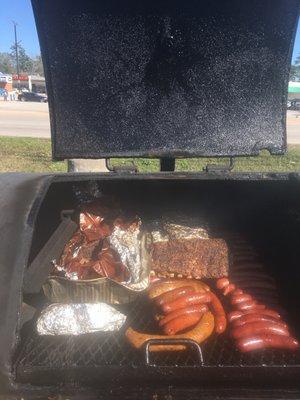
294,105
30,96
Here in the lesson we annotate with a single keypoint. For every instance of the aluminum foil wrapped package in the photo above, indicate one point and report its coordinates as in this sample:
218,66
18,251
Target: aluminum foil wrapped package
125,240
78,319
157,233
129,243
108,244
179,231
96,218
174,228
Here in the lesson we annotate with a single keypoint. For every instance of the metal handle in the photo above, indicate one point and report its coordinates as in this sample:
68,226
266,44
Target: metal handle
66,214
188,342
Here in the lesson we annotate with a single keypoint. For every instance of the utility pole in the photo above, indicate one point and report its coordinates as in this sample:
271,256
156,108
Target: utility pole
17,53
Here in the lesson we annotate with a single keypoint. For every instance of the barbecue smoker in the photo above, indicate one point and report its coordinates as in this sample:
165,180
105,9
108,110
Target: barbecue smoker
160,79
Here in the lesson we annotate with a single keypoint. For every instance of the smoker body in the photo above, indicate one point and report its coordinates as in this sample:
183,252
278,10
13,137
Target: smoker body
166,80
263,206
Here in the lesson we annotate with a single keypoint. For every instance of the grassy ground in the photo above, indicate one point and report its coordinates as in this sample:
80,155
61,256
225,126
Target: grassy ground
27,155
34,155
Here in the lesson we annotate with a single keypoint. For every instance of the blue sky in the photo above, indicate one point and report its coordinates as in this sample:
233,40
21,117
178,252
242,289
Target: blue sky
21,12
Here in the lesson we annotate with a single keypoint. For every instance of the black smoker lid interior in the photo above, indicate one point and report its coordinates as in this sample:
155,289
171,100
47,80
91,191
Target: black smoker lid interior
166,78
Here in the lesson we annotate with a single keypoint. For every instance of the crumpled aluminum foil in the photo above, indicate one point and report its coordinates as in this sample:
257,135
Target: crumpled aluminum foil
179,228
127,243
77,319
178,231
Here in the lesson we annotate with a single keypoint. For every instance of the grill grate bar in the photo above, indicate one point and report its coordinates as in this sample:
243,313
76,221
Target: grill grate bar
99,349
112,349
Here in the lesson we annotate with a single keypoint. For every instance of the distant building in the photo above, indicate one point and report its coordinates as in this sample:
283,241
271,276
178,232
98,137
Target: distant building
6,82
37,84
294,90
33,83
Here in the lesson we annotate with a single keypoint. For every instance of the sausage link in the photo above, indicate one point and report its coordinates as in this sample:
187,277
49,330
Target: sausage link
252,281
266,311
248,318
222,283
250,305
173,294
234,315
237,292
219,313
230,288
255,283
199,308
199,333
256,328
271,293
269,296
247,266
242,275
187,300
237,299
166,285
265,341
181,323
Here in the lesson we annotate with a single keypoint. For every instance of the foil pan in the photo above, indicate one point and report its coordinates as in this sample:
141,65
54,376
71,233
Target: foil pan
63,290
78,319
105,261
60,289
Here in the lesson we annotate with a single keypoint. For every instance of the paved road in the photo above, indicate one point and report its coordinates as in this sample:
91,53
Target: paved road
32,120
24,119
293,127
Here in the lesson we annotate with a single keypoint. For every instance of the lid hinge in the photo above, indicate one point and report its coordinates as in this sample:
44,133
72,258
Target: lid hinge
167,164
220,168
130,168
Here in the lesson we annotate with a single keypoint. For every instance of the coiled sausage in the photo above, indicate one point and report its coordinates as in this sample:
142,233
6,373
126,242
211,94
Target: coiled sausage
171,295
199,333
169,284
199,308
181,323
187,300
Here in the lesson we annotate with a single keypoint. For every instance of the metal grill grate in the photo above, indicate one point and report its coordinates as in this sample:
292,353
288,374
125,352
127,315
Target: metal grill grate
112,349
100,349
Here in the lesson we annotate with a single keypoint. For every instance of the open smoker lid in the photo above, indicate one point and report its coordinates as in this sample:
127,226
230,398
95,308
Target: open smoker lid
166,78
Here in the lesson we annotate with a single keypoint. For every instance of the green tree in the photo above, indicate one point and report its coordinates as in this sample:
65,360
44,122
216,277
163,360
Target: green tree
295,73
25,62
6,63
295,70
37,66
